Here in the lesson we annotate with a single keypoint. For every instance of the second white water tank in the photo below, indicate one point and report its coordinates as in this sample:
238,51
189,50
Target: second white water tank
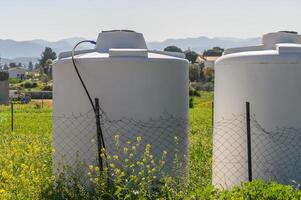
267,76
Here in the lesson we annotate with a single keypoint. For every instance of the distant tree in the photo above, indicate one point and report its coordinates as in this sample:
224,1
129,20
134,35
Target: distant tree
215,51
30,66
44,78
218,49
48,68
5,67
47,54
19,64
209,74
173,49
3,76
202,76
12,65
191,56
36,66
194,72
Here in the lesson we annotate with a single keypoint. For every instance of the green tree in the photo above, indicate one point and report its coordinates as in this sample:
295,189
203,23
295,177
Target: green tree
36,66
47,54
194,72
215,51
5,67
173,49
3,76
44,78
202,76
48,68
209,74
12,65
30,66
191,56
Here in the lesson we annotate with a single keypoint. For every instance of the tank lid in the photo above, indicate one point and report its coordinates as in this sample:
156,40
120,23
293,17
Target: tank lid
292,32
269,42
271,39
131,31
119,39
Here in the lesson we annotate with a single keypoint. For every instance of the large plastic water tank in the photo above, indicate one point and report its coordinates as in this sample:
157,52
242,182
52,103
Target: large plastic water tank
267,76
142,92
4,87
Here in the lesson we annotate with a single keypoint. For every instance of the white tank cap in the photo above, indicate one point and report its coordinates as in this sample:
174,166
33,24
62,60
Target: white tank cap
271,39
119,39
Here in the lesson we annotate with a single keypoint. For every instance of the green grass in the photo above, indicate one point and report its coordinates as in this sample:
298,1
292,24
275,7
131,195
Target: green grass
18,84
201,141
29,119
25,156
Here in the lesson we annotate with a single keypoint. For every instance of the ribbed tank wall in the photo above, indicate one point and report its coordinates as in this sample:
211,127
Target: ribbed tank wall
269,80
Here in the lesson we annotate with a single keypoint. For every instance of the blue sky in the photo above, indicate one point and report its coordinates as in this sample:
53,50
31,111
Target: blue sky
157,19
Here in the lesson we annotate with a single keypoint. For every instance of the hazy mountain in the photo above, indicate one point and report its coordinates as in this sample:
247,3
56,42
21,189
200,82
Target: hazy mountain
11,49
61,45
25,51
23,60
200,44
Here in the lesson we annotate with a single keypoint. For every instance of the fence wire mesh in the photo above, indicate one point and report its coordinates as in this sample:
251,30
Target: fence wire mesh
75,138
230,152
275,154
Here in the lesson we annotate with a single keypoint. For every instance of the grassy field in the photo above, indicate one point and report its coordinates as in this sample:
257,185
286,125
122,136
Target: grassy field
25,156
201,141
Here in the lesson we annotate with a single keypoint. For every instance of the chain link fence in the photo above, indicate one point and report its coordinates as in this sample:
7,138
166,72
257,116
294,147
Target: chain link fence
76,138
243,149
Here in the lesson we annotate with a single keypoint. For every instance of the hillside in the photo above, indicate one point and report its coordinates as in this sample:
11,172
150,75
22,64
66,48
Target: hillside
11,49
200,44
25,51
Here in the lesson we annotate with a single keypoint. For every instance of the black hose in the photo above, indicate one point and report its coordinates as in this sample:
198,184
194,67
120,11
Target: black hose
77,72
95,108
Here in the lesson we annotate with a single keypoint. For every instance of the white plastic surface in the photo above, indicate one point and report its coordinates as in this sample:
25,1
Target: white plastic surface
268,78
119,40
130,83
4,92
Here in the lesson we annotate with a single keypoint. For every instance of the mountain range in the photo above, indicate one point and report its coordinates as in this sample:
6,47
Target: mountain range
199,44
25,51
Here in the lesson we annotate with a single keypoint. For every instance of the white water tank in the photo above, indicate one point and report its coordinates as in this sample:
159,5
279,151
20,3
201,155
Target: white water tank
267,76
142,92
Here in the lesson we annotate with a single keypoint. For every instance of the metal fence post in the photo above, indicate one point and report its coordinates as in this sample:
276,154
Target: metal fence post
42,99
249,147
12,116
212,114
100,142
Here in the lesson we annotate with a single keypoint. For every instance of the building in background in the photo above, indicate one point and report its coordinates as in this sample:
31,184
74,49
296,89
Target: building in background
210,61
17,72
207,61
